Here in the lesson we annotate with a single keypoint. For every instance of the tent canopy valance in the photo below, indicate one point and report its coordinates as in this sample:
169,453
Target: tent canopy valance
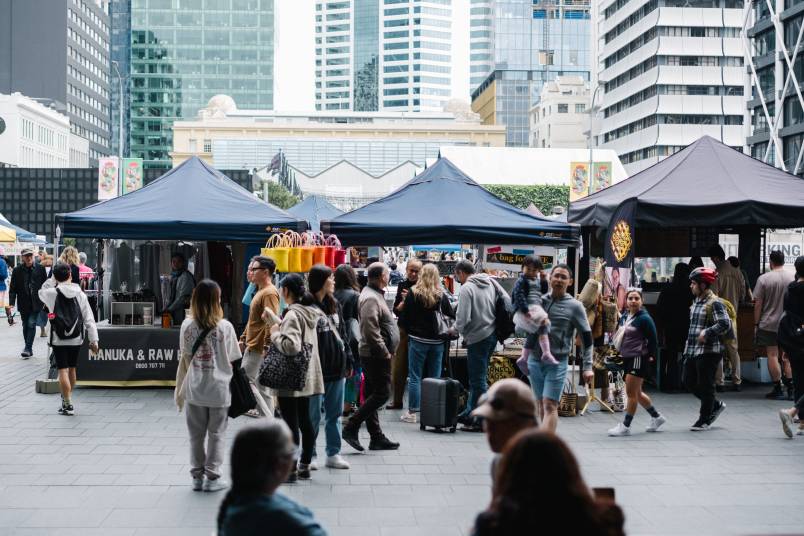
707,184
193,201
443,205
313,209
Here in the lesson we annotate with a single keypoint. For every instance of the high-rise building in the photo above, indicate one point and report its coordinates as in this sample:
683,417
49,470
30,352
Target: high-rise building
120,53
58,50
671,71
532,42
481,40
182,53
394,55
775,106
561,116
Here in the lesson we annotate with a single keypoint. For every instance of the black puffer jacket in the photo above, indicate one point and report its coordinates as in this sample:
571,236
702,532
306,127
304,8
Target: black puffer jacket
790,338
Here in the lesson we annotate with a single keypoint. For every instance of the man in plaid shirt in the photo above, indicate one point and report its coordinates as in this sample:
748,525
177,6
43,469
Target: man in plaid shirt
709,321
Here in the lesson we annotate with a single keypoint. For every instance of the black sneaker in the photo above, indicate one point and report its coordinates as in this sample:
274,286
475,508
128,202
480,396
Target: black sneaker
790,395
304,472
25,354
383,443
700,425
716,412
66,409
292,477
776,393
350,436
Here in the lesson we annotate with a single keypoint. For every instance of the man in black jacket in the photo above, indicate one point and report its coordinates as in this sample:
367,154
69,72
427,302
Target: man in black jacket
26,280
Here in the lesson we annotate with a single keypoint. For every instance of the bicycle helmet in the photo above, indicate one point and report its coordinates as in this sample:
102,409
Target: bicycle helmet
703,275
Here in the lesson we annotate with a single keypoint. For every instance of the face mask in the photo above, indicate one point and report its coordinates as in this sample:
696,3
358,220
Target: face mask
249,294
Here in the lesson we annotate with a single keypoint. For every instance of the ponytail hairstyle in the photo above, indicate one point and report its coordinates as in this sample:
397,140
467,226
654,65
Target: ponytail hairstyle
316,279
294,285
262,456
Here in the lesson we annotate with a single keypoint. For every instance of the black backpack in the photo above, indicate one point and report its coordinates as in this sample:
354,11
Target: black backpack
66,320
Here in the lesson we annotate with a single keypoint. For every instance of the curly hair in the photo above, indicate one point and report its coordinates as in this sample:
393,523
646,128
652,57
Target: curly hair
70,256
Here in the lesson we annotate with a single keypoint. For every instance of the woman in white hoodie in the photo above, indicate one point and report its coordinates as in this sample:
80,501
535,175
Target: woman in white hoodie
207,347
299,327
74,315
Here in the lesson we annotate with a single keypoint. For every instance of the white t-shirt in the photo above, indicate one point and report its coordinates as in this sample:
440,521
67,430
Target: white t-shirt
210,369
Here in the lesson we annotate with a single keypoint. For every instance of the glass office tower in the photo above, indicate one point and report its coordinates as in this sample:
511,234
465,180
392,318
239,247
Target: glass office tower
183,52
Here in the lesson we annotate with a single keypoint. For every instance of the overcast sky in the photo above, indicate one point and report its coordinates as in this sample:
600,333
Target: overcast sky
295,54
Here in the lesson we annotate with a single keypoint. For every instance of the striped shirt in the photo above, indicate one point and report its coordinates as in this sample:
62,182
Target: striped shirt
719,325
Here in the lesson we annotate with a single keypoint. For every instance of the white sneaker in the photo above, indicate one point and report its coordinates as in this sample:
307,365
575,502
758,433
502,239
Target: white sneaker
787,423
655,423
313,464
620,430
215,485
409,417
198,484
337,462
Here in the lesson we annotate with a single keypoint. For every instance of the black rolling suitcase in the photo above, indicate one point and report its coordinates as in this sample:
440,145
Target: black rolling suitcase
442,400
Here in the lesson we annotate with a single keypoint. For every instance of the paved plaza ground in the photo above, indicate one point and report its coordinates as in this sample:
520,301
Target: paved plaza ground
119,468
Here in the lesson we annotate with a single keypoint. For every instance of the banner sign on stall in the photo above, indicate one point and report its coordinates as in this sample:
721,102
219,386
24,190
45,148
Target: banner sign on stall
108,170
511,257
619,246
132,174
131,354
579,180
601,176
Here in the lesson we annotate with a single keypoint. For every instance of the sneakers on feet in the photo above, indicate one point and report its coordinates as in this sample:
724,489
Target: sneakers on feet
409,417
304,472
215,485
25,354
700,425
66,409
620,430
337,462
198,484
350,436
775,393
293,477
314,464
716,412
383,443
253,413
656,423
787,423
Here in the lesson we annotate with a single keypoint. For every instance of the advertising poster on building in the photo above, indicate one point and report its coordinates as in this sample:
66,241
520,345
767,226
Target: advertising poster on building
510,257
132,174
579,180
107,177
601,176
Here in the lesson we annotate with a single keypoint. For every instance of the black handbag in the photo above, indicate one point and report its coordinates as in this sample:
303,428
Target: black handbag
243,399
285,372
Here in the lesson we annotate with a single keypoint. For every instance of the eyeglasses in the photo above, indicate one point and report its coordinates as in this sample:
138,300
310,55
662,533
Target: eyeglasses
255,269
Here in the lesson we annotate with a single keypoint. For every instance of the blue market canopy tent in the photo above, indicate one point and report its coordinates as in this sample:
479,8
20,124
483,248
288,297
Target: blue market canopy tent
21,235
443,205
193,201
707,184
313,209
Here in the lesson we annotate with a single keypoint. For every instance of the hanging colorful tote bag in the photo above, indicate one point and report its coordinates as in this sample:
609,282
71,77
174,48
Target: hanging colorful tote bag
319,250
294,252
338,252
306,252
276,248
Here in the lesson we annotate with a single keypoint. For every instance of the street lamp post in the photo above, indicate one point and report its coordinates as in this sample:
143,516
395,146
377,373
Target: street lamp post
120,130
589,137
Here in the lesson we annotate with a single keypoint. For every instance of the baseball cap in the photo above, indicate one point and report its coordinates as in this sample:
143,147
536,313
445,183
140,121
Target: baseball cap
26,251
506,399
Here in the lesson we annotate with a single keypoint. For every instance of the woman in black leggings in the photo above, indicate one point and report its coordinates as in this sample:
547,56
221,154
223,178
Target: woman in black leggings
297,328
791,339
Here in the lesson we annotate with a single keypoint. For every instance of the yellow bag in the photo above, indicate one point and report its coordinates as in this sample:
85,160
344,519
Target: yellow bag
294,252
276,248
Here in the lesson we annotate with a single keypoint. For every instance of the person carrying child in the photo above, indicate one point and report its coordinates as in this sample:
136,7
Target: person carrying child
529,316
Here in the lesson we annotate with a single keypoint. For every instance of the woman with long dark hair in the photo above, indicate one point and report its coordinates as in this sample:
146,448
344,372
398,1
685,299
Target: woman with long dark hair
791,340
335,364
297,328
636,341
262,457
207,347
347,292
538,477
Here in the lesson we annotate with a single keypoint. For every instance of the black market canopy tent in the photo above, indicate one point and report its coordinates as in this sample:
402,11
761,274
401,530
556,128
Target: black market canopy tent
313,209
707,184
442,205
193,201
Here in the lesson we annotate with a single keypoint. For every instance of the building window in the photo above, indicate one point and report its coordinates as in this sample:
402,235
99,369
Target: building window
580,108
207,146
563,108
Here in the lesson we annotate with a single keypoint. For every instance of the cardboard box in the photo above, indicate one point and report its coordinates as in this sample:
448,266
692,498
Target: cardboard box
756,371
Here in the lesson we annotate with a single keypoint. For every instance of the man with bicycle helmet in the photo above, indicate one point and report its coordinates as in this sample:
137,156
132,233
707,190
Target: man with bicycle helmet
709,322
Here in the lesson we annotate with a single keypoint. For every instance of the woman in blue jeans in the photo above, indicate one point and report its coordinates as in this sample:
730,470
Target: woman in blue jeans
567,316
335,365
425,347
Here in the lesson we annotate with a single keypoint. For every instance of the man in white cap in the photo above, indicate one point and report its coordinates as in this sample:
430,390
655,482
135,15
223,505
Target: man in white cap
507,408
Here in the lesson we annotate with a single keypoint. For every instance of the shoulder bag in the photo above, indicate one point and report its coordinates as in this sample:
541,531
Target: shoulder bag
243,399
285,372
444,324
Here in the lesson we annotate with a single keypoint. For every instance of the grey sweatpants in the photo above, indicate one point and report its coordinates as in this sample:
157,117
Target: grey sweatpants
203,422
265,400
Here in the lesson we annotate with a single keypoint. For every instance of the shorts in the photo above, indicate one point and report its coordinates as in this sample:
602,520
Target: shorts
636,366
766,338
547,381
66,356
